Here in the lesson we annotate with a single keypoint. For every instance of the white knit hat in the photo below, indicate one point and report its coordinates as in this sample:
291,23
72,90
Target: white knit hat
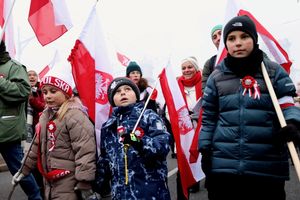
61,78
192,60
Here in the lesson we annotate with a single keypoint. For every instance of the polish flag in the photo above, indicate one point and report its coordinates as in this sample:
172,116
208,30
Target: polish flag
124,60
8,36
49,19
234,9
91,70
49,66
44,72
182,129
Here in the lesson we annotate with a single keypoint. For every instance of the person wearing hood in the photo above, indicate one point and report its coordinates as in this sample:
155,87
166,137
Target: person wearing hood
243,146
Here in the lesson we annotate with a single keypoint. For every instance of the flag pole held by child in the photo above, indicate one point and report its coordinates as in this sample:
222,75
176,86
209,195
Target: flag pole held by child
282,121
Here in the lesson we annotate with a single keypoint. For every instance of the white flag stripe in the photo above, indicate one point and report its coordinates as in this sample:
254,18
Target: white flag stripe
95,42
176,90
61,13
286,99
185,139
279,57
186,143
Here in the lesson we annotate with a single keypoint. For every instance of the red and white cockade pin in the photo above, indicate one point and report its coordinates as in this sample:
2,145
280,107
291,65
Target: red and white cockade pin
121,131
139,132
51,128
249,84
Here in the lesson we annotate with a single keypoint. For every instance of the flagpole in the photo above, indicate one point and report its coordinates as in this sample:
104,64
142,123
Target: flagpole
282,121
22,166
146,103
6,20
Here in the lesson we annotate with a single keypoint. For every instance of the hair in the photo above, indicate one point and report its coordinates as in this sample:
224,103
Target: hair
2,47
66,105
142,84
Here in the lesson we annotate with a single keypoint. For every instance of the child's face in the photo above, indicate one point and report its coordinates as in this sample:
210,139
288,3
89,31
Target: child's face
124,96
135,76
239,44
53,96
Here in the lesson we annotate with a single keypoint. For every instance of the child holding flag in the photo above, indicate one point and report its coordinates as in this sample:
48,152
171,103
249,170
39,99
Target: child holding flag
134,158
243,147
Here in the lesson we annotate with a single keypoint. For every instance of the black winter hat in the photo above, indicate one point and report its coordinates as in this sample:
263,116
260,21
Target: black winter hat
133,66
240,23
116,83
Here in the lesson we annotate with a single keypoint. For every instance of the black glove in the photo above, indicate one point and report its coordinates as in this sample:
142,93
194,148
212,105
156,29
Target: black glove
289,133
133,140
206,161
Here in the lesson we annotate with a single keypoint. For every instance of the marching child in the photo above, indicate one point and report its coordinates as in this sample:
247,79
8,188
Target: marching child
242,144
64,148
136,161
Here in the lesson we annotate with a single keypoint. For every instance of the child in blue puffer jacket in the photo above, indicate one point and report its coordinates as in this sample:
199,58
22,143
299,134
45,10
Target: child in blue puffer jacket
136,162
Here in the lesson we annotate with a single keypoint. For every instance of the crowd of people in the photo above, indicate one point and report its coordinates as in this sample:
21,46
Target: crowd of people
241,143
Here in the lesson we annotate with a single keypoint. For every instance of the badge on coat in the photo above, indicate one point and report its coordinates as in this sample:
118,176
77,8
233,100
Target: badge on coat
251,86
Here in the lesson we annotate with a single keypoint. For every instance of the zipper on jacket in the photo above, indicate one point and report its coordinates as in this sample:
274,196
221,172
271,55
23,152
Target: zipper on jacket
126,146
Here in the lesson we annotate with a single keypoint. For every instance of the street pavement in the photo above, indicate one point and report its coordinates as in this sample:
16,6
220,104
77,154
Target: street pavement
292,186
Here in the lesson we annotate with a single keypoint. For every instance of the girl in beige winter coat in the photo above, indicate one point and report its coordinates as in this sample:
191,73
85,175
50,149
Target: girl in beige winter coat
64,148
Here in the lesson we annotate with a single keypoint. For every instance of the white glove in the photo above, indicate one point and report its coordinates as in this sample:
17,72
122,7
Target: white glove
85,194
16,178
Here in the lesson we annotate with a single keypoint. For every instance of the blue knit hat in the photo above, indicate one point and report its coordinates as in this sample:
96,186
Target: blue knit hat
133,66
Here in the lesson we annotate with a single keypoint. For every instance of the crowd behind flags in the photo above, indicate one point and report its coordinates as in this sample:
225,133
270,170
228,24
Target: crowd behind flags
92,70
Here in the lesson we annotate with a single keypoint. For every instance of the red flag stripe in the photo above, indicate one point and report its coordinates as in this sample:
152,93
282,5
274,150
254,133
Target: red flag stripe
124,60
91,70
2,19
183,137
83,70
42,20
262,30
44,72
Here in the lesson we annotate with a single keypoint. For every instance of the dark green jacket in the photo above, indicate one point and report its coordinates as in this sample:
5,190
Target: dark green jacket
14,91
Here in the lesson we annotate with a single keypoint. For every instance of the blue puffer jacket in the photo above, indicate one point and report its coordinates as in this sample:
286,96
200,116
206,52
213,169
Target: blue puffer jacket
241,131
147,170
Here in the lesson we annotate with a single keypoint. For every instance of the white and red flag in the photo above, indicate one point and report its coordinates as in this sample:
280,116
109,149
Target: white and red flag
279,54
49,66
91,71
6,18
124,60
49,19
183,131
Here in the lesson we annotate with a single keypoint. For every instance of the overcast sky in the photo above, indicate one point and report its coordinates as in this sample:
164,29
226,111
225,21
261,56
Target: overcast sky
151,31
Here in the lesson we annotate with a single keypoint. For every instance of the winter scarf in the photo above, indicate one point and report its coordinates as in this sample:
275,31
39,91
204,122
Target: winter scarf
249,65
194,81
